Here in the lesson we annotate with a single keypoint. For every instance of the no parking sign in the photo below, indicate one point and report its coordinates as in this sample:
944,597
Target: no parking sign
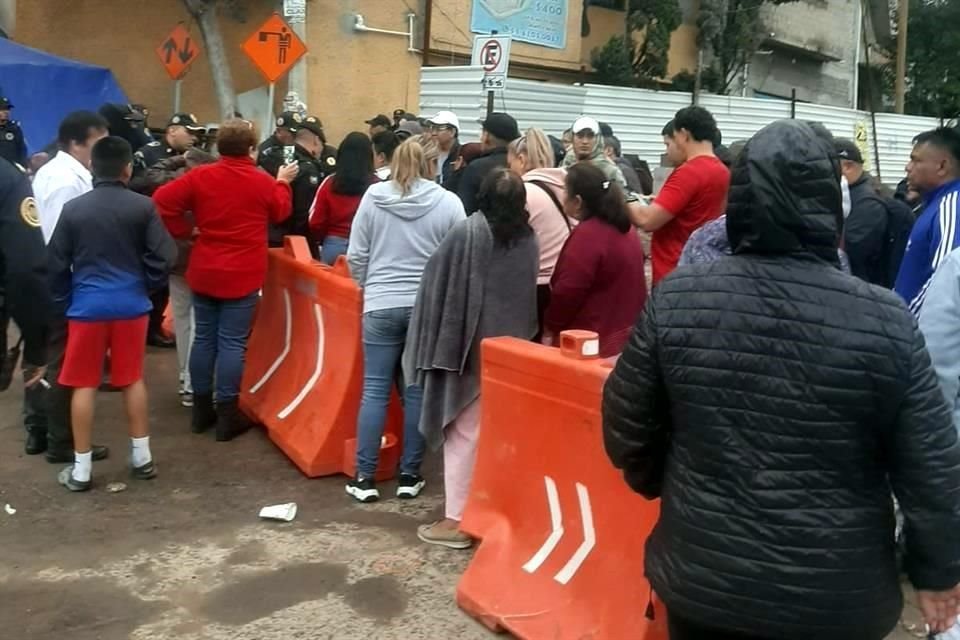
493,54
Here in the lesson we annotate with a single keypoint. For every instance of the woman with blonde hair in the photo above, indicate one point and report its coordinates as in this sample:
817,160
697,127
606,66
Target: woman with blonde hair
398,226
531,157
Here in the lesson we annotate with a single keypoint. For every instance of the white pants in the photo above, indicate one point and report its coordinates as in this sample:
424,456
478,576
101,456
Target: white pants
459,456
181,300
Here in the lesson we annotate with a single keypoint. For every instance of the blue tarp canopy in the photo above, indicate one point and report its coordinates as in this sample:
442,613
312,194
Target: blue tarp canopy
44,88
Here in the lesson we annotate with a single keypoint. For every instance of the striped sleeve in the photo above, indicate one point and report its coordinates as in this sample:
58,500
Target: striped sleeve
944,241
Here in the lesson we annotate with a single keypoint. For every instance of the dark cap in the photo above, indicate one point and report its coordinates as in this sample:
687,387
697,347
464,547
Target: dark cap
5,103
847,150
398,113
289,120
380,120
501,125
408,129
187,120
311,124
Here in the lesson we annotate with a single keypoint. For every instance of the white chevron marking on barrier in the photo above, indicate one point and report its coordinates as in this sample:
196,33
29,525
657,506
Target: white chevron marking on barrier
318,369
288,335
573,565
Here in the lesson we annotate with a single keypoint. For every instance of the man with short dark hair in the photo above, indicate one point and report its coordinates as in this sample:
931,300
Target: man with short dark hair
499,130
868,232
108,252
934,172
384,144
379,123
614,152
694,194
65,177
182,132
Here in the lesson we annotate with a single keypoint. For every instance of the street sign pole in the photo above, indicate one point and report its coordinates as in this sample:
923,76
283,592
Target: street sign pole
490,92
176,95
268,114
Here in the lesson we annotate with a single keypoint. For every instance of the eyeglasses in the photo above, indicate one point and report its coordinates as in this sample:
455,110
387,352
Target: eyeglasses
439,127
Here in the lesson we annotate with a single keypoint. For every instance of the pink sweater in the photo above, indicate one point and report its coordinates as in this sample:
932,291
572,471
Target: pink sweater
549,223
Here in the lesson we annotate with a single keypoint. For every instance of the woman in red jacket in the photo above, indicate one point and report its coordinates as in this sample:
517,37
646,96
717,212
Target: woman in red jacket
232,202
338,198
599,283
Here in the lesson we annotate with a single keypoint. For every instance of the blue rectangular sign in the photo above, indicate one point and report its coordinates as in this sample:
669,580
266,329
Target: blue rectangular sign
539,22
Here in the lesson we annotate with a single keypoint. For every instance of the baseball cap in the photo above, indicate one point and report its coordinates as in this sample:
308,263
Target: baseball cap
289,120
380,120
187,120
312,124
584,123
408,129
501,125
848,150
5,103
446,118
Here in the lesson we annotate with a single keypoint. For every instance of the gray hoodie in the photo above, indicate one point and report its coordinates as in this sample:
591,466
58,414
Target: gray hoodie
939,319
393,236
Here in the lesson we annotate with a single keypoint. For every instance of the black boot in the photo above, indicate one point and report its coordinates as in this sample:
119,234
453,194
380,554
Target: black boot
36,443
204,415
231,421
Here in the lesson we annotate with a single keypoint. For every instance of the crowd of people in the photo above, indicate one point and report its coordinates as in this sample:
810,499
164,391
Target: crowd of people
790,367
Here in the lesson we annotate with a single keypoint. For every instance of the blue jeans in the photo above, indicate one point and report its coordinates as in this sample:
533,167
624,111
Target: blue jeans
220,343
384,334
333,248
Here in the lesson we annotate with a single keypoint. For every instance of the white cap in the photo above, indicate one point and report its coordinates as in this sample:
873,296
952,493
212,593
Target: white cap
583,123
446,118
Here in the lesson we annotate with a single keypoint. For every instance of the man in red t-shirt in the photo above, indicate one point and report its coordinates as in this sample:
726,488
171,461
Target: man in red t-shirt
694,194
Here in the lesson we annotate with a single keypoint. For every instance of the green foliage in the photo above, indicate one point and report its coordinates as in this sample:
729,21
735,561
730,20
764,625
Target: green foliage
640,57
933,58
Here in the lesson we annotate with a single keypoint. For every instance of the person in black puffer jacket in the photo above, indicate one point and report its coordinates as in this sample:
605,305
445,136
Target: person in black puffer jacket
773,402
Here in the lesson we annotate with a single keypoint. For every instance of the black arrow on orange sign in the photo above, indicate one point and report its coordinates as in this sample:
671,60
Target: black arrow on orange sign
170,46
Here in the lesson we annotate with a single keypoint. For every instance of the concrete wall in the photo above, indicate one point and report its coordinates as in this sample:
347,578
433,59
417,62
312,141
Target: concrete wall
828,26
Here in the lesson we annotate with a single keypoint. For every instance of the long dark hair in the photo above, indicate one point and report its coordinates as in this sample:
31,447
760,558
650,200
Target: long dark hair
503,201
354,165
602,197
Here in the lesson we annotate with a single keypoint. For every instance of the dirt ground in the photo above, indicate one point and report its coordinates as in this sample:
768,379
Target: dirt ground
185,556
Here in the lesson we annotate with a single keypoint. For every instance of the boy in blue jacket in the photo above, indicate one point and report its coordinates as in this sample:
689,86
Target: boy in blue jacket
109,251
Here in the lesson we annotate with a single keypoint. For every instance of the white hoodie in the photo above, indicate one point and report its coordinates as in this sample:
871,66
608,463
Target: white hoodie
393,237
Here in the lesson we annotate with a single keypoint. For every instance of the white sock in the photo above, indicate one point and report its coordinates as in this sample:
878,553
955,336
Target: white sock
140,451
82,466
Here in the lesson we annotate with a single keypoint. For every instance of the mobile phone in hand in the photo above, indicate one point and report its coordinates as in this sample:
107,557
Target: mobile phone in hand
288,154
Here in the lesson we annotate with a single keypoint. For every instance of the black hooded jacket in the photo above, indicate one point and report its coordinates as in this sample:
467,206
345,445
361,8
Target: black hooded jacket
773,402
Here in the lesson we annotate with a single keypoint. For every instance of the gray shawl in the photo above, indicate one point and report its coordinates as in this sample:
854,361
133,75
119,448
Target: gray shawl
470,290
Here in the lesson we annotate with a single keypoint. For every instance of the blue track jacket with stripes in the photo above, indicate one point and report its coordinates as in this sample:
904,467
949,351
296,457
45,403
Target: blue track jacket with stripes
933,237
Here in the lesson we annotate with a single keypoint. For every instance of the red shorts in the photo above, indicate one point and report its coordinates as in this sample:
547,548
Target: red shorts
87,346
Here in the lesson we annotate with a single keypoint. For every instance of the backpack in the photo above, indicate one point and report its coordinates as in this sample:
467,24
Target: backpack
899,225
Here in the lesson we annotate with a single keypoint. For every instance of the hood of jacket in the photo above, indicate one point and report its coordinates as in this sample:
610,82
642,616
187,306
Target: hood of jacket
599,159
423,197
785,194
551,176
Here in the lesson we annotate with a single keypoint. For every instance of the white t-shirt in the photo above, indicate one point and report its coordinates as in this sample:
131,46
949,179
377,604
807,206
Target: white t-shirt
56,183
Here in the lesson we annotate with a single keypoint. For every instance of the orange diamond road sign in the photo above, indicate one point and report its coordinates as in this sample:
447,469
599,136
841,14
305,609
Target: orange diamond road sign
178,51
274,48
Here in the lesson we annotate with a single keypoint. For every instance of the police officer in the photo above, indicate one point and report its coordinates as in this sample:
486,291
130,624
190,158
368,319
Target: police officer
12,145
270,151
308,147
26,299
182,132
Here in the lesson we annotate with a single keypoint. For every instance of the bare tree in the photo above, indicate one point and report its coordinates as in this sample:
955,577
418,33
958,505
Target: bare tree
205,13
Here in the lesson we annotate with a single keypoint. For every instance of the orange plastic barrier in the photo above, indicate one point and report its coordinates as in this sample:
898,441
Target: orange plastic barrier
562,536
304,370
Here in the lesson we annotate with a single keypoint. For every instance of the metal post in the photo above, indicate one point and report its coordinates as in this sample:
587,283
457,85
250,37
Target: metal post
176,95
873,106
298,79
489,102
268,115
698,77
793,103
903,7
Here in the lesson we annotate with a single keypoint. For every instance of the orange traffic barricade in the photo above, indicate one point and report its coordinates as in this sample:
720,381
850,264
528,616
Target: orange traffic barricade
561,535
303,377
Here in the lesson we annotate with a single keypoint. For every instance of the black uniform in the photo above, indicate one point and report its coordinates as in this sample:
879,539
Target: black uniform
23,279
270,155
304,188
12,145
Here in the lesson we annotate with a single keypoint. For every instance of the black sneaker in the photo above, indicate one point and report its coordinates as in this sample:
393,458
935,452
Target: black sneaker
410,486
66,479
363,490
144,472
